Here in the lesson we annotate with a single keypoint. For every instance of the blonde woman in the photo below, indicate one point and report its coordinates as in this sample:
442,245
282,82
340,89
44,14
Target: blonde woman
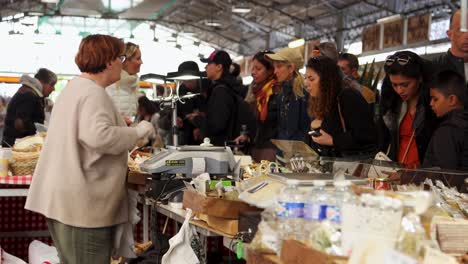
293,121
124,93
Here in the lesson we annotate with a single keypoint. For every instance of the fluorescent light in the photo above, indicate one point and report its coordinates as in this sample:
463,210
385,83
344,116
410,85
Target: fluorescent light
212,23
389,19
19,15
50,1
238,58
35,14
247,80
155,80
296,43
186,77
241,9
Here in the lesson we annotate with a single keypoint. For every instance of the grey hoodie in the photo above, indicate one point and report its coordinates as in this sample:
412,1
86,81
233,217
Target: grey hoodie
33,83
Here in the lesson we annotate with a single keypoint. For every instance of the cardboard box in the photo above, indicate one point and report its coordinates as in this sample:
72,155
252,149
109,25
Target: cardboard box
255,257
213,206
227,226
295,252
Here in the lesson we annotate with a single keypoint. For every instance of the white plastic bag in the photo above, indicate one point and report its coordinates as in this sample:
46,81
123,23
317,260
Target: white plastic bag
40,253
6,258
180,249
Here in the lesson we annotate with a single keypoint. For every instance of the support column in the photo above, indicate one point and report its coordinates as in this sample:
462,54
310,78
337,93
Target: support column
340,34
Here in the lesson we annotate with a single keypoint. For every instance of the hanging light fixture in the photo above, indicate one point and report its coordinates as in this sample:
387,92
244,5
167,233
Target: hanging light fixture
241,9
296,43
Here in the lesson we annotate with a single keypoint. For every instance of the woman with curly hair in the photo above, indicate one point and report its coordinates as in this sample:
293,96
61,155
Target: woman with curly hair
342,125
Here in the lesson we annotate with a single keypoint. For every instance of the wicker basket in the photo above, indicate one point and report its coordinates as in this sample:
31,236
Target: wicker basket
23,163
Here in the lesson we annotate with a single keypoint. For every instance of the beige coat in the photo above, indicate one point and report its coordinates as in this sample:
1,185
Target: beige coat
80,176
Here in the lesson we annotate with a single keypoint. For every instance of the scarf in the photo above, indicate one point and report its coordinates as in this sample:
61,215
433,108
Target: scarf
262,97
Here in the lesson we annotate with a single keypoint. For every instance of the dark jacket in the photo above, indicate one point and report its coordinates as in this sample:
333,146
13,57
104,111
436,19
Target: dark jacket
198,103
360,138
293,120
267,129
424,124
448,61
448,148
221,111
24,109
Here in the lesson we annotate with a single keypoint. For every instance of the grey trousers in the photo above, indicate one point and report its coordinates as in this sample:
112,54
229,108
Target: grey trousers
77,245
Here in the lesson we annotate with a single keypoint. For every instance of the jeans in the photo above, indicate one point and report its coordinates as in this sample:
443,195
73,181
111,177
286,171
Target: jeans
76,245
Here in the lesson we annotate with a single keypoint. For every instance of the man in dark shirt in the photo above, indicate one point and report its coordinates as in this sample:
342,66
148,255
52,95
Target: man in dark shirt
456,58
222,105
27,106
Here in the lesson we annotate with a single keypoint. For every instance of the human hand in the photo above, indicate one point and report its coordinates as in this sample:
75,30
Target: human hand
144,129
191,116
196,134
324,139
179,122
242,138
127,120
394,176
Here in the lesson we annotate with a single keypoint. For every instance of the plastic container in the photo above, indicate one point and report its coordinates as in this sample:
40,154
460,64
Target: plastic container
290,209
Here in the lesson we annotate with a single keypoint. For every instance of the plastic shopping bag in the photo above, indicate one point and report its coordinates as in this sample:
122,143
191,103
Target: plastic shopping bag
40,253
6,258
180,249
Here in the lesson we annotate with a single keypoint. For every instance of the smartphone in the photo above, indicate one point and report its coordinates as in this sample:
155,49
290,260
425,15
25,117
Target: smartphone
315,133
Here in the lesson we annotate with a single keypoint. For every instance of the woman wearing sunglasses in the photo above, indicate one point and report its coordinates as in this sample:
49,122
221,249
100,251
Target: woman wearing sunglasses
124,93
343,126
408,121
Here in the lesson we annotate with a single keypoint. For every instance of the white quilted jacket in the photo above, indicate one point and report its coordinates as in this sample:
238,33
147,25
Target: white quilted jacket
124,94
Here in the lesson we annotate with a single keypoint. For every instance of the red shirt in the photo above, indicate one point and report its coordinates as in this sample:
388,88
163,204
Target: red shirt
406,130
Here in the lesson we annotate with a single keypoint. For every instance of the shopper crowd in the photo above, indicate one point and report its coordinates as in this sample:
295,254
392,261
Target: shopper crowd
421,121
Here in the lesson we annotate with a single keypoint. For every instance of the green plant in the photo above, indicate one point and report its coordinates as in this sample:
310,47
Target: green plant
370,78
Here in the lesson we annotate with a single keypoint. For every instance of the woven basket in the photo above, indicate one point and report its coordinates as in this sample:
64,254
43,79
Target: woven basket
23,163
23,167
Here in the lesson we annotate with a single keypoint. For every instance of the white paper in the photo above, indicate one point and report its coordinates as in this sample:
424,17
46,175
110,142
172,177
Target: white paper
198,166
371,252
395,257
369,224
434,256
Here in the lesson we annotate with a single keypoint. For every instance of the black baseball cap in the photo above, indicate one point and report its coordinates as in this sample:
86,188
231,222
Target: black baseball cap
219,57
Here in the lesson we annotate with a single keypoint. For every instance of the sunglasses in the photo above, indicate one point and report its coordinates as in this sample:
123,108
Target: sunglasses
402,60
122,58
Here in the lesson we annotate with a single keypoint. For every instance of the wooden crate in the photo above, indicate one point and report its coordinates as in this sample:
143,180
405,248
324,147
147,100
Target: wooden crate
215,206
295,252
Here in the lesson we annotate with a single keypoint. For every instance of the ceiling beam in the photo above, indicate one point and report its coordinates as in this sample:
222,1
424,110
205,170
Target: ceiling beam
393,12
293,18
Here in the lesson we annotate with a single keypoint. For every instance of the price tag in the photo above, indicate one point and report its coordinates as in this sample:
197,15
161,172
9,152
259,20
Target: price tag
395,257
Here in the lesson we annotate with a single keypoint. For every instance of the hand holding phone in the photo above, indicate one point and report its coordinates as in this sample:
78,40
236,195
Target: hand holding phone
315,133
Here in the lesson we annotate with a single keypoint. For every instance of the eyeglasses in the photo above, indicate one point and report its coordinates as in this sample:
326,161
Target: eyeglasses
122,58
402,60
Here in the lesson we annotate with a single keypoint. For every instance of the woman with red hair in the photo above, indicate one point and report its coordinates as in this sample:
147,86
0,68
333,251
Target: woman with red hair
79,181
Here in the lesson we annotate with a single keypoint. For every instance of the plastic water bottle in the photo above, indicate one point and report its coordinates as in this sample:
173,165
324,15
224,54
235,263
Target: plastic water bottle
290,208
316,203
341,195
